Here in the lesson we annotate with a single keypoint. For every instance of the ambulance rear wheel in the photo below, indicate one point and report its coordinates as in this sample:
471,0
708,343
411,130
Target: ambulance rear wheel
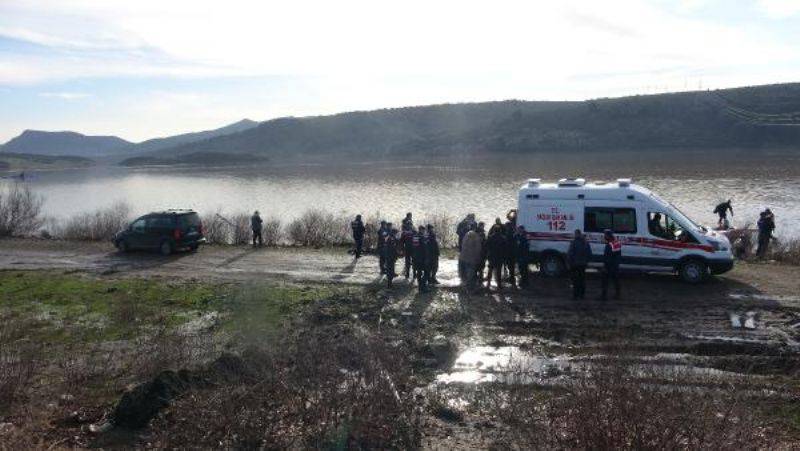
551,265
693,271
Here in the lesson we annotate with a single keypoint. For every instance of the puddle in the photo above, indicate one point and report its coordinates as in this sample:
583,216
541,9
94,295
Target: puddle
762,297
746,321
507,364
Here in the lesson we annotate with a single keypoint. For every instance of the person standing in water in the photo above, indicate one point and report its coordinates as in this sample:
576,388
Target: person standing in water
722,210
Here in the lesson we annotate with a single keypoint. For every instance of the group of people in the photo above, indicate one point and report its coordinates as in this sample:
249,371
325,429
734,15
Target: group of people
503,249
418,246
765,225
482,255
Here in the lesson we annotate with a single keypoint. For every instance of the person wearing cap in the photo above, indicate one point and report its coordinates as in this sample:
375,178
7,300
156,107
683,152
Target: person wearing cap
611,260
358,229
433,255
255,225
407,234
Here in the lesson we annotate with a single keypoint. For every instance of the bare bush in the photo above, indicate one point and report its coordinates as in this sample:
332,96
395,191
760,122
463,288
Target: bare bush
444,225
99,225
620,406
20,210
18,362
317,228
272,232
327,388
215,229
786,251
241,232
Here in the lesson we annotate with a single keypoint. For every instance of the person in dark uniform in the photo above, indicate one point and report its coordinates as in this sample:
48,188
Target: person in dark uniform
578,257
766,226
510,230
390,253
722,210
383,231
611,260
481,231
419,245
522,254
406,241
433,256
496,249
255,225
463,227
358,234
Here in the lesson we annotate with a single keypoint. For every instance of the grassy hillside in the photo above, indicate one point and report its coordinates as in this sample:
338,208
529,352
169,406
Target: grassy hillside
751,118
64,143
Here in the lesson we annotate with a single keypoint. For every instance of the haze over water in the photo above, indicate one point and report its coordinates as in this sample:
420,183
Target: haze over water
488,187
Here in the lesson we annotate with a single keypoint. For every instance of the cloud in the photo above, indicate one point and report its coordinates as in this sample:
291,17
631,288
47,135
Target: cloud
208,38
65,95
779,9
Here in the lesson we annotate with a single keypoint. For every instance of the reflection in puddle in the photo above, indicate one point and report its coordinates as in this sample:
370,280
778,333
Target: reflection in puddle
508,364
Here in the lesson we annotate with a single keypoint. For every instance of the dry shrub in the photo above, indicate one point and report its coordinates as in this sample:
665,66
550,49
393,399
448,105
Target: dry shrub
272,232
317,228
444,225
99,225
786,251
18,363
167,348
621,406
326,388
235,229
215,229
20,210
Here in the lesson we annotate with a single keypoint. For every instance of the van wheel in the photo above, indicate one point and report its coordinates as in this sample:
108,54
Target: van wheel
165,248
693,271
551,265
122,245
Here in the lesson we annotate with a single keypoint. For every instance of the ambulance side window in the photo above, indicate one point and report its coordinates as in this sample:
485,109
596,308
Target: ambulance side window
618,220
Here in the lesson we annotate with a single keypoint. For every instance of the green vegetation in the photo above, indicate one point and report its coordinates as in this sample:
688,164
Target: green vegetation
73,307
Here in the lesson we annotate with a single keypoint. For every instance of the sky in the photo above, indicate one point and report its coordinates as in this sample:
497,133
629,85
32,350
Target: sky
143,69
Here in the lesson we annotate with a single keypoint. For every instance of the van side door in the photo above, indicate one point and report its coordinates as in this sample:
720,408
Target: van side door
621,218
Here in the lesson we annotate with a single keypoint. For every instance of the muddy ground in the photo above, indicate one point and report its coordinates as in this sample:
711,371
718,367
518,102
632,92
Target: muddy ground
740,327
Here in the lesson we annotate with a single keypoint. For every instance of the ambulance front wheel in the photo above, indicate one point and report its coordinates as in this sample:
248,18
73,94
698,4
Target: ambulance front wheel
693,270
551,264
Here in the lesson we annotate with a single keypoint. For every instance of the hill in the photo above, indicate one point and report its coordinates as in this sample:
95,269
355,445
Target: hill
758,117
20,161
75,144
155,144
64,143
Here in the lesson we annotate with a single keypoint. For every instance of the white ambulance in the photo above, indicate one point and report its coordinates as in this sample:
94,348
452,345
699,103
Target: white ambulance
655,235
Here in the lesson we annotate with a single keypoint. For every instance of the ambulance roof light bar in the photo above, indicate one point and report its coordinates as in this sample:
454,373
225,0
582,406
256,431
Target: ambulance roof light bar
572,182
534,182
624,183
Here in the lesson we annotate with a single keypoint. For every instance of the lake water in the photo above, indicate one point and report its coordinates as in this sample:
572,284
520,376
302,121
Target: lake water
694,182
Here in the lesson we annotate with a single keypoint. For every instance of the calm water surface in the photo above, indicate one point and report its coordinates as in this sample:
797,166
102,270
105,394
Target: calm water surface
487,187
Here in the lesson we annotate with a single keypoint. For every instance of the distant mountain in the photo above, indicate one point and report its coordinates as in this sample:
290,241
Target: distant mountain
155,144
75,144
37,142
744,118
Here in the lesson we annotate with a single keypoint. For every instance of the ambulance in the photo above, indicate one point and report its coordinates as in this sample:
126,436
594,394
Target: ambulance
655,235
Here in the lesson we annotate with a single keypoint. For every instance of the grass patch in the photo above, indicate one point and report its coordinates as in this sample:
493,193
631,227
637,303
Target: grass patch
60,307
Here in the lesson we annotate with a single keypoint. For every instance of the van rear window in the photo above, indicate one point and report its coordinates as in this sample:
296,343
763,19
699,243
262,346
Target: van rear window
190,221
618,220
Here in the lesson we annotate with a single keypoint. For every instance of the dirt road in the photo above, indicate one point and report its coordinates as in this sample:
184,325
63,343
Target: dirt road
754,305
